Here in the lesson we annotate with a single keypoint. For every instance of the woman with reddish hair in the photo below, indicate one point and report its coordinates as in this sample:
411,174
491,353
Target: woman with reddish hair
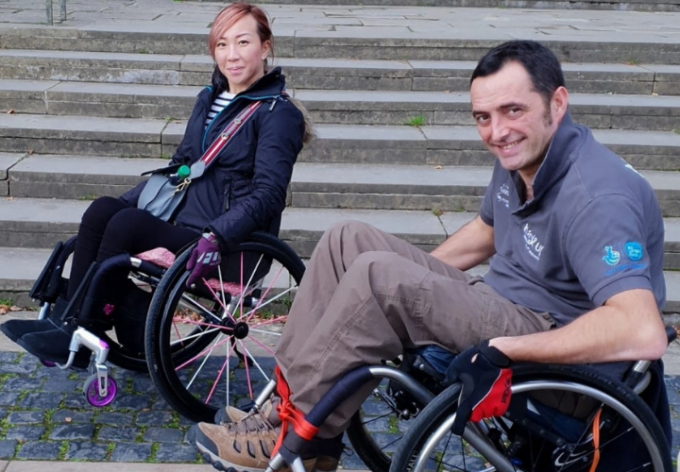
242,191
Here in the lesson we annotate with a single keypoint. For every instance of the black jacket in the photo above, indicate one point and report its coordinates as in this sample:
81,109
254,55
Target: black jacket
245,187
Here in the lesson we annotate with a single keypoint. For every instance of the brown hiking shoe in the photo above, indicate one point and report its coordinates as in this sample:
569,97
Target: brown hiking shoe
247,445
231,414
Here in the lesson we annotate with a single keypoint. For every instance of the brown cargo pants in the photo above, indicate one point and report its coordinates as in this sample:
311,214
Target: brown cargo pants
366,296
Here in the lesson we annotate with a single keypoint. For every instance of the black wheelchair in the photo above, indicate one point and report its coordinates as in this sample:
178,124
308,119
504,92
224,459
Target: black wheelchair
243,309
561,418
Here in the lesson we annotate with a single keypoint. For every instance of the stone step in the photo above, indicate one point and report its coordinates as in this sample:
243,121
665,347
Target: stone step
340,32
320,74
40,223
635,5
314,185
600,111
19,267
436,145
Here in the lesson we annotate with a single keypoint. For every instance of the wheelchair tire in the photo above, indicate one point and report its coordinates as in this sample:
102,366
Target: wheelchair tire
527,437
188,368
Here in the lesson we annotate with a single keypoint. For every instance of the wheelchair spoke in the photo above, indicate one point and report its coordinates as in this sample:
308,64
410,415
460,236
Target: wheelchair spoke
216,343
189,303
181,340
245,363
264,295
264,332
219,374
269,301
257,364
270,351
220,301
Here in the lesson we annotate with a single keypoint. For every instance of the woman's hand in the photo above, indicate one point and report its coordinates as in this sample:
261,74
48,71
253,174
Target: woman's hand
204,258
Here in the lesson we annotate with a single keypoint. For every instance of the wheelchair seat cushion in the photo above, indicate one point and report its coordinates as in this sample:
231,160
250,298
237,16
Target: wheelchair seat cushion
162,257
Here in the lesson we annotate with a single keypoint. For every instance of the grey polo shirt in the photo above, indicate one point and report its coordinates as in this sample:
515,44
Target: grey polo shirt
593,229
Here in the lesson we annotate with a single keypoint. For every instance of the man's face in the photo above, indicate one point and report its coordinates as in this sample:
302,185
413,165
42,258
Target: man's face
513,120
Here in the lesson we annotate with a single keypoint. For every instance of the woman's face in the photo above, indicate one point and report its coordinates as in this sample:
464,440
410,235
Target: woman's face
240,54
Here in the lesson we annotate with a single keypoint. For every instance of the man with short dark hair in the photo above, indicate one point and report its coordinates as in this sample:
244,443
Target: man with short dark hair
576,276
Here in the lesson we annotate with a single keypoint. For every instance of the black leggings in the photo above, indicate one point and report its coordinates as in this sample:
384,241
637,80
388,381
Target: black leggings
110,227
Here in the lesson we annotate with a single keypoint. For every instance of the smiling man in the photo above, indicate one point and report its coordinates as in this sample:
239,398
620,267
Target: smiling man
575,238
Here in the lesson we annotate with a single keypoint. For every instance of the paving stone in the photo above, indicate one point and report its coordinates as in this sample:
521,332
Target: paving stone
41,450
62,385
134,402
117,419
154,418
164,435
8,398
76,401
18,368
44,401
74,416
25,433
131,452
72,432
7,448
176,453
26,417
88,451
109,433
8,357
19,384
143,385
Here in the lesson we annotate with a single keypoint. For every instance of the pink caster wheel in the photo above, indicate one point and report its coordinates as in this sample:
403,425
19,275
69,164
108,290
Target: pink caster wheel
91,392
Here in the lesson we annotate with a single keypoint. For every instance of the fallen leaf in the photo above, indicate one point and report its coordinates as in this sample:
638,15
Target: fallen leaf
15,308
10,112
67,420
438,167
3,310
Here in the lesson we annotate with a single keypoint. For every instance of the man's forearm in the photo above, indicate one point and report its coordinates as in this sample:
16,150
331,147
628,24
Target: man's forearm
606,334
468,247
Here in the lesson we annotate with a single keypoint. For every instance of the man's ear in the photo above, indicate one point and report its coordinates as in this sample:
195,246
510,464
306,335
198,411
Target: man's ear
559,103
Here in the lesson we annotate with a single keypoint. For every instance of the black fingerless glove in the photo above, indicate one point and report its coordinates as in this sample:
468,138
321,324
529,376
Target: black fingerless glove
486,377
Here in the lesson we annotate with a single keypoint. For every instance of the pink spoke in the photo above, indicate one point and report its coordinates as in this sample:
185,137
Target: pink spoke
266,348
245,361
242,291
219,374
280,319
209,348
264,296
219,300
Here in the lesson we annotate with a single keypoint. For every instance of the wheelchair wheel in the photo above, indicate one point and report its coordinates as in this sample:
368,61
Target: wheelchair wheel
212,345
561,418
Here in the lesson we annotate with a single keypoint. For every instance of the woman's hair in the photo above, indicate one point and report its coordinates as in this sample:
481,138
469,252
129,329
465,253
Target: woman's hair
224,20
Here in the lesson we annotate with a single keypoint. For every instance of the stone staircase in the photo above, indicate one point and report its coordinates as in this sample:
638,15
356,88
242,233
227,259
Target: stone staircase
86,109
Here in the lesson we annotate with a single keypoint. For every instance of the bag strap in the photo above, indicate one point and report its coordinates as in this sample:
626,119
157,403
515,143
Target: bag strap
229,131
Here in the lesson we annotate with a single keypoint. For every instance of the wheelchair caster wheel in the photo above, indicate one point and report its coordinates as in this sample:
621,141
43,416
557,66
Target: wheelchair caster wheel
47,363
91,392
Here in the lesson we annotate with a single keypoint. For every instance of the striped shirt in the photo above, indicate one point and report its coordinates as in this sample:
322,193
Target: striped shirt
218,105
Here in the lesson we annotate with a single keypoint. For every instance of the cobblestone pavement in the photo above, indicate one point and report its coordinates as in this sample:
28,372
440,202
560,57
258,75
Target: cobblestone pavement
44,416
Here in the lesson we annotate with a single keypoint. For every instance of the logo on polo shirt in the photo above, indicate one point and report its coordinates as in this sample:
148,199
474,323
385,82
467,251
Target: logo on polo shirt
534,247
611,257
503,195
633,251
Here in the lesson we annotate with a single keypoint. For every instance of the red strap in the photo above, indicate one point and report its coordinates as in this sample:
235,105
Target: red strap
288,413
228,133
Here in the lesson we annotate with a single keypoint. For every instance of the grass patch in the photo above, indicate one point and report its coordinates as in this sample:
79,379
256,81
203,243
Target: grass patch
109,450
418,120
47,423
63,450
154,450
174,422
88,197
393,424
437,212
143,51
6,301
140,434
